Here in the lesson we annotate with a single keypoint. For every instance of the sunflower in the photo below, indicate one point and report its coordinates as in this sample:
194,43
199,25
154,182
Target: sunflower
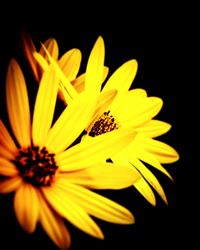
129,108
52,179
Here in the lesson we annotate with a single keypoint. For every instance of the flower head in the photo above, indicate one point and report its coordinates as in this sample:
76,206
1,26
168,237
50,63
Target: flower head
129,108
51,177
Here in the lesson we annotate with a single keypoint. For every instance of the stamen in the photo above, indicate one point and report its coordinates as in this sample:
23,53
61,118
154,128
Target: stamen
37,166
104,124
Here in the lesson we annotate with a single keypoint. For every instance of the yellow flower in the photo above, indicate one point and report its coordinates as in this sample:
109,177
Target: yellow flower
128,109
50,177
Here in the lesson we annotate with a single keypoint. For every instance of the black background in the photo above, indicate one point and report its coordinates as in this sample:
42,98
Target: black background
164,53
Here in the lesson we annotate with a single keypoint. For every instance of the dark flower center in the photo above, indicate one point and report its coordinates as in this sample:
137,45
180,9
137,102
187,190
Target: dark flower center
104,124
37,166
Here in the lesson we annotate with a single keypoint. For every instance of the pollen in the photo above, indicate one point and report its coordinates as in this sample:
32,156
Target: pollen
104,124
36,165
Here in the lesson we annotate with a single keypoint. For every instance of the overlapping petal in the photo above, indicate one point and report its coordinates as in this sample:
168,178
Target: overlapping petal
70,63
66,129
103,176
44,106
71,211
96,204
94,150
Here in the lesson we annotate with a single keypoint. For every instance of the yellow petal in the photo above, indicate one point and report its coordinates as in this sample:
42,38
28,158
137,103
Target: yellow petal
52,47
70,63
95,67
10,185
18,104
53,225
79,82
161,151
138,113
129,101
66,207
149,177
41,61
67,90
7,168
71,123
143,187
147,157
103,176
154,128
94,149
29,49
44,106
5,153
5,138
103,102
137,94
26,207
122,78
96,204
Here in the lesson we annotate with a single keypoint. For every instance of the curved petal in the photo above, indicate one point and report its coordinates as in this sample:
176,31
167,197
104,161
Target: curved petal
94,149
7,168
40,60
53,225
79,82
96,204
10,185
18,104
52,47
71,211
44,106
95,67
142,154
141,184
5,138
103,176
70,63
154,128
145,190
138,113
131,98
149,177
122,79
161,151
71,123
68,91
26,207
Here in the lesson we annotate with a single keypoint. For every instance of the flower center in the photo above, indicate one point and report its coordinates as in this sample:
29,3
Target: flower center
36,166
104,124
